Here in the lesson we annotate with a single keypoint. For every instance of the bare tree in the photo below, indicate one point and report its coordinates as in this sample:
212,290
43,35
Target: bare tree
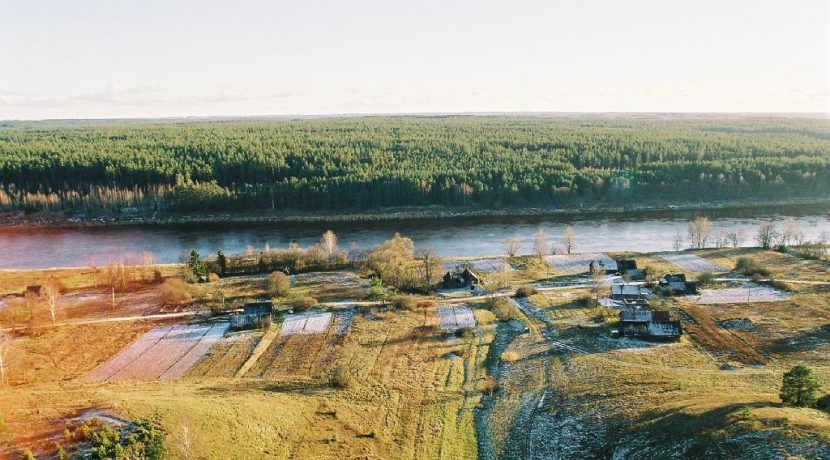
677,242
570,238
147,260
186,437
766,234
51,294
699,232
789,233
3,378
540,244
597,278
736,237
430,264
329,244
31,299
512,246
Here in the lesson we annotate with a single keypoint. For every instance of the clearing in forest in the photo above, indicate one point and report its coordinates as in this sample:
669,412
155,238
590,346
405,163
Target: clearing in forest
164,353
692,263
452,317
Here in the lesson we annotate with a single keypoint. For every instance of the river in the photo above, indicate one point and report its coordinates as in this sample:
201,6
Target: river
653,231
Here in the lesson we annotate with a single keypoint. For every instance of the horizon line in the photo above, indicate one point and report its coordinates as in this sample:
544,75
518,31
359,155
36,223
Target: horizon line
540,114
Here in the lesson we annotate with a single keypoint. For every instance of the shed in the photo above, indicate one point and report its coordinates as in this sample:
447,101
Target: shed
254,315
260,307
624,265
678,285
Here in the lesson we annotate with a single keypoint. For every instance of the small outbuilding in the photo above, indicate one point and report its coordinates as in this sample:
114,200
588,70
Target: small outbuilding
678,285
626,292
254,315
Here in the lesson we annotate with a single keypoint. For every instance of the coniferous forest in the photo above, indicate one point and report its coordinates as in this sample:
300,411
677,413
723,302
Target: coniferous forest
374,162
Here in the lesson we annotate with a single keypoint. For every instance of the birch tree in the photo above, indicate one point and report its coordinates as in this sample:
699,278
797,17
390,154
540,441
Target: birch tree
51,294
789,232
329,244
540,244
699,232
570,238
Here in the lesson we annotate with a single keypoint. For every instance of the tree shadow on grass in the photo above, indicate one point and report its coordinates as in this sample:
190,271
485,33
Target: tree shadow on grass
803,342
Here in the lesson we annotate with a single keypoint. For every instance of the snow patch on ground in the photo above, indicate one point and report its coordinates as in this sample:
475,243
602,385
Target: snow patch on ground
452,317
479,265
748,293
306,323
692,262
578,263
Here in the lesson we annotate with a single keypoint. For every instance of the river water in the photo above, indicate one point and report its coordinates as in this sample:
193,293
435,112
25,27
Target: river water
654,231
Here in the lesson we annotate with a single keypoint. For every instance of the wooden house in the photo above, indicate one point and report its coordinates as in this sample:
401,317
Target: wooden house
649,324
607,267
628,268
464,279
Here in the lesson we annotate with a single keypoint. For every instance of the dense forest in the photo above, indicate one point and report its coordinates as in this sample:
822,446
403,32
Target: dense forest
373,162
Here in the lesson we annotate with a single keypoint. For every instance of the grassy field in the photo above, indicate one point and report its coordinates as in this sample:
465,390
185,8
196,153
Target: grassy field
377,382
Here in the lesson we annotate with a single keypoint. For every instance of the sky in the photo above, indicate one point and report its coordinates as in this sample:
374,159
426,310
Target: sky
175,58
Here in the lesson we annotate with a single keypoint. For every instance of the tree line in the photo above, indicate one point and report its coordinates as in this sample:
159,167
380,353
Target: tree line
368,163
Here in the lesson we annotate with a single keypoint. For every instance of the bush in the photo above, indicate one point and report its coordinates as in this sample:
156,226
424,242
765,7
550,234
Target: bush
780,285
278,284
465,333
510,356
303,303
749,267
823,403
213,277
586,301
526,291
502,310
174,292
407,302
799,387
342,377
705,279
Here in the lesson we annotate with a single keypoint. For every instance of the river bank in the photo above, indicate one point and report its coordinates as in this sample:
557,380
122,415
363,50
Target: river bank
19,220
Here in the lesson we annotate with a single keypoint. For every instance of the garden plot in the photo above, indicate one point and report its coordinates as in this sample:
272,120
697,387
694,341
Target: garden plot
479,265
306,323
579,263
748,293
452,317
213,335
163,353
692,263
342,322
332,286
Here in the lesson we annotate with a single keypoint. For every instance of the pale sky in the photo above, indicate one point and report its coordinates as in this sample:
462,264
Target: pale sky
148,58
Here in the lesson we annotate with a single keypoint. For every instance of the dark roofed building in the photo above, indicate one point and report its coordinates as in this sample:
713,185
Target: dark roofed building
678,285
654,324
254,315
464,279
